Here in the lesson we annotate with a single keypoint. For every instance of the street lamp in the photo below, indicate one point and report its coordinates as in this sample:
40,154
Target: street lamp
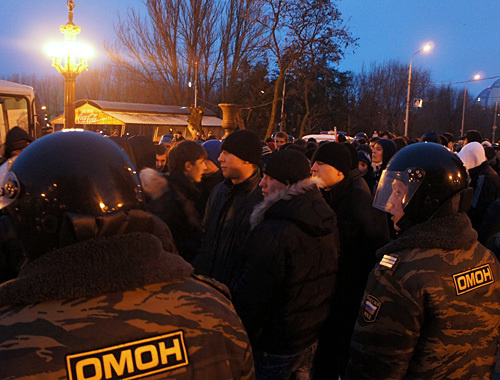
70,59
494,121
427,47
476,77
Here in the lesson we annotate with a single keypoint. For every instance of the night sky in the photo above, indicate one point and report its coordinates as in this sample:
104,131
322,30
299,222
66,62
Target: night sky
465,34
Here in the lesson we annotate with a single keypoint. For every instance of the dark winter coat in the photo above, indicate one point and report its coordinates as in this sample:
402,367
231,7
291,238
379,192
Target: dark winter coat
284,294
486,184
207,184
489,233
431,308
362,230
227,227
369,178
123,307
173,199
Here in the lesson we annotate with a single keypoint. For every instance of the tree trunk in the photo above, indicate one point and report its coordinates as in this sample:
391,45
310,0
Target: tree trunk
274,109
308,109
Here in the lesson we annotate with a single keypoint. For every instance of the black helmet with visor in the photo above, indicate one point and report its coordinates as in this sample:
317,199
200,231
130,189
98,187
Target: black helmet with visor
422,180
64,175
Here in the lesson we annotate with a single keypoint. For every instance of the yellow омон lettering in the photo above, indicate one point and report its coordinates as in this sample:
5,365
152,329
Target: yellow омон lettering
109,362
138,357
94,362
487,274
175,350
471,280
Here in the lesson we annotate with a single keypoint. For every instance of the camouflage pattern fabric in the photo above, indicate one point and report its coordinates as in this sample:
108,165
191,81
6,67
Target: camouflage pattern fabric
119,308
431,308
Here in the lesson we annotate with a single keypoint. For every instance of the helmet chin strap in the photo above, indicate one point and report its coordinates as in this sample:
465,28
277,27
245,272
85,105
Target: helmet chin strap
460,202
78,227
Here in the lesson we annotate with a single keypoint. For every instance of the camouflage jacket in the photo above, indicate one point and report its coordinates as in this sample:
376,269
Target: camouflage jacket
431,308
118,308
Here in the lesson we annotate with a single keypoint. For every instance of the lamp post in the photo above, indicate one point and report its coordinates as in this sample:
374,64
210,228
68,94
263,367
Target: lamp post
476,77
494,122
425,48
70,59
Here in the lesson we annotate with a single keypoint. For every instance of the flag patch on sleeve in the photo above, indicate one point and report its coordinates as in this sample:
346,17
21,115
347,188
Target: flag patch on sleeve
371,308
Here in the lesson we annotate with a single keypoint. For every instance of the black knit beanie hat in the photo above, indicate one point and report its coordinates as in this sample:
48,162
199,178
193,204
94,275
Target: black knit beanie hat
244,144
336,155
288,166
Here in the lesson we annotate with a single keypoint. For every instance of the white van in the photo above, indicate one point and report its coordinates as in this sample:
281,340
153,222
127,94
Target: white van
329,136
17,108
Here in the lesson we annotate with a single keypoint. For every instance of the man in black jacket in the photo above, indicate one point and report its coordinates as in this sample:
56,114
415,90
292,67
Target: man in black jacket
362,229
284,294
227,216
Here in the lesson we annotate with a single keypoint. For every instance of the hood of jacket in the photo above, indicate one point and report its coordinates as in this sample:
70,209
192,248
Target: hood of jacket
301,204
472,155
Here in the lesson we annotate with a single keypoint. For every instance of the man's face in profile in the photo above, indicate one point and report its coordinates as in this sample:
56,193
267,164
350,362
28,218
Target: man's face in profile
396,200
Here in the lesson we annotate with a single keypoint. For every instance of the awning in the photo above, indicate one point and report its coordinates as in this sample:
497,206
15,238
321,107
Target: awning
145,118
211,121
159,119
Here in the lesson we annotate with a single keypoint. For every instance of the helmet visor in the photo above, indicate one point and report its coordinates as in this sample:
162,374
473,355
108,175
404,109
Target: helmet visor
396,189
9,184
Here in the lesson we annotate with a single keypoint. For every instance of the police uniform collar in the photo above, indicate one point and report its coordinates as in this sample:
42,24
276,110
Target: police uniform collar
95,267
452,232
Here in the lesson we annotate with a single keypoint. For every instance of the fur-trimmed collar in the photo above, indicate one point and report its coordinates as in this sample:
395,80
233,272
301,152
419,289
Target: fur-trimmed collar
285,194
154,183
447,233
95,267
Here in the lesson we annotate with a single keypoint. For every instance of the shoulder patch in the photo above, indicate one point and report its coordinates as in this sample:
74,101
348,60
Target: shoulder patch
473,279
371,308
130,360
389,261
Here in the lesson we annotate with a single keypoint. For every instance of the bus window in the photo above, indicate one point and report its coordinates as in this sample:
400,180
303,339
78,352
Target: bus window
17,112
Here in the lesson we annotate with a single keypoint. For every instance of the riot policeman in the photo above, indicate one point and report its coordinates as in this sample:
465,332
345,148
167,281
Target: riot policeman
103,295
430,308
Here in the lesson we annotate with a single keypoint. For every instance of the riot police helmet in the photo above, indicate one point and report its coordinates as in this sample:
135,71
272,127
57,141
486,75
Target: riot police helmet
65,173
419,183
361,135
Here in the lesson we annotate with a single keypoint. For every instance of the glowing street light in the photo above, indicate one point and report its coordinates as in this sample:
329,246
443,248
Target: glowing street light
70,59
476,77
427,47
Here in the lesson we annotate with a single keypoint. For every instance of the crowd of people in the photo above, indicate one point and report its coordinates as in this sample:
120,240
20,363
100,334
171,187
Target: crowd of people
374,258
